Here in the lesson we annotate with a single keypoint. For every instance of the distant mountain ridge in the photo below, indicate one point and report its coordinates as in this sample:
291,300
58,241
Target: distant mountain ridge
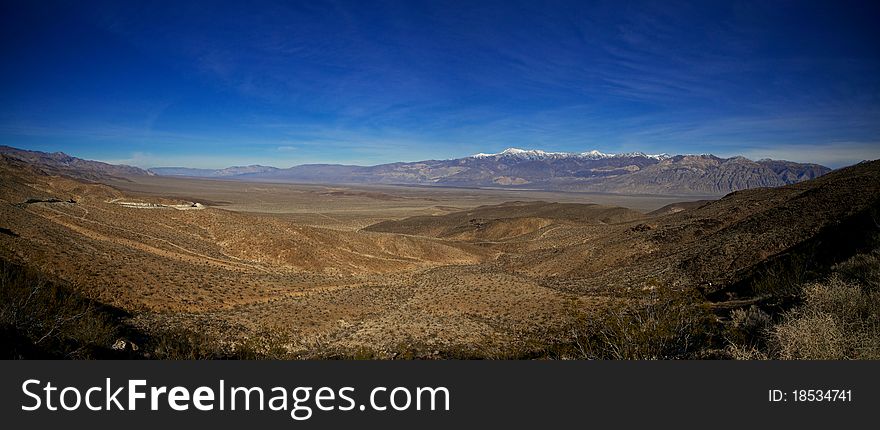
538,154
59,163
590,171
593,171
213,173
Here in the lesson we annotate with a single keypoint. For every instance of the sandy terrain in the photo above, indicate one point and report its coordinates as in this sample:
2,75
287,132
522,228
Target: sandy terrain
357,206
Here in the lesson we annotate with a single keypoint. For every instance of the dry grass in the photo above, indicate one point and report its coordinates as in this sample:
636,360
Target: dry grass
662,325
40,319
838,319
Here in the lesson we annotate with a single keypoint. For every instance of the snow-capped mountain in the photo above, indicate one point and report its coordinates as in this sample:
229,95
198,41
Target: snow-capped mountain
537,154
629,173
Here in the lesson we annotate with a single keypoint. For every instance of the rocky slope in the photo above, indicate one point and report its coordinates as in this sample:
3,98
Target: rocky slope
707,174
59,163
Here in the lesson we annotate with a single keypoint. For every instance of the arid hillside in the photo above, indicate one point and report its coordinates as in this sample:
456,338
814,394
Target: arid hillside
345,271
61,163
507,220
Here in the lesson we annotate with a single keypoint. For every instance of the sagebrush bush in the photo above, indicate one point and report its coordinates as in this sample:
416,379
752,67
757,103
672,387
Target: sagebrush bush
748,327
837,320
665,324
863,269
183,344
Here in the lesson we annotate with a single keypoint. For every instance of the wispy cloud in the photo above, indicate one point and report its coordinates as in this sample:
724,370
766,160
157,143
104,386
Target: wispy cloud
289,83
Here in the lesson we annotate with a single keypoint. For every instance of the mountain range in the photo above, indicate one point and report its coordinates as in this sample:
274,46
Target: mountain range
591,171
59,163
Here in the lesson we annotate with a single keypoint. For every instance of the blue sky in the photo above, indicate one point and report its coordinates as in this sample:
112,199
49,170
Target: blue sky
363,82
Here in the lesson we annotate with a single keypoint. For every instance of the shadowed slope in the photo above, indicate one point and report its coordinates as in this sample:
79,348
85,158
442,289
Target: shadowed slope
508,220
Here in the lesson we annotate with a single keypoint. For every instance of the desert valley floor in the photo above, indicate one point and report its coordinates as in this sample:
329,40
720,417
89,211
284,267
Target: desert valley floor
385,268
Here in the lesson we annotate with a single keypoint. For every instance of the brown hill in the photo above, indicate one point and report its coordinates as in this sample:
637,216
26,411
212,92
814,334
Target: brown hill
125,247
720,243
678,207
59,163
506,221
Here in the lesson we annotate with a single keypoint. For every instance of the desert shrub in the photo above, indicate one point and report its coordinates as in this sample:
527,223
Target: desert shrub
748,329
837,320
269,343
745,352
863,269
663,324
183,344
783,277
44,319
836,317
